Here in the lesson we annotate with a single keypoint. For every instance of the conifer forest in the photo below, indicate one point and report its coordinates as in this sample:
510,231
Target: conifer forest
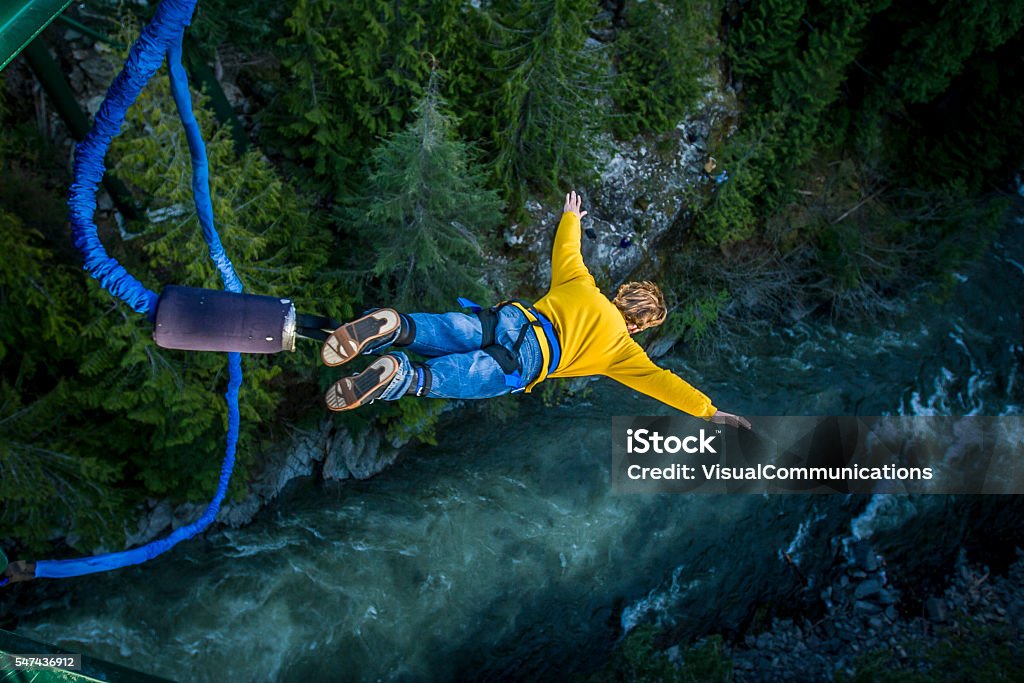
381,152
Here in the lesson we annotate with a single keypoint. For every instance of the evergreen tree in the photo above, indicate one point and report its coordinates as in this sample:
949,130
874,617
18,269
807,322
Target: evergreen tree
660,55
426,213
547,113
793,59
937,40
51,477
356,68
47,479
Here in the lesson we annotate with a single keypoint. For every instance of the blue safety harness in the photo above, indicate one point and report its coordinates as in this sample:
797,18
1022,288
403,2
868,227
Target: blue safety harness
508,359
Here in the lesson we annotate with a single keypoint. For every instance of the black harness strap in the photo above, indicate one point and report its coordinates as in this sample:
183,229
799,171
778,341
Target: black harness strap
315,327
507,360
488,324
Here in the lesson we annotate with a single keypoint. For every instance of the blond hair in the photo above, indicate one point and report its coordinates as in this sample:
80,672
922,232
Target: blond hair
641,304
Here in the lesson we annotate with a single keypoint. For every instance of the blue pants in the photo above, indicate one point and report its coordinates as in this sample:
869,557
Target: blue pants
459,369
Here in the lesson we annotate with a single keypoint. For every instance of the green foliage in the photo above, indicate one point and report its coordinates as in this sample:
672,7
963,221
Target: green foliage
426,217
766,40
968,650
355,71
938,39
792,58
697,318
660,56
639,659
412,419
971,135
46,485
836,71
826,86
248,25
732,214
733,208
559,392
547,114
93,416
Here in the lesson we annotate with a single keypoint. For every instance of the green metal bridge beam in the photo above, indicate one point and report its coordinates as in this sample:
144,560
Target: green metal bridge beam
21,21
77,121
92,670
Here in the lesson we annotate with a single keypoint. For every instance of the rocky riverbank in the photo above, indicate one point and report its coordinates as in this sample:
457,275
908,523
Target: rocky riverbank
329,452
871,631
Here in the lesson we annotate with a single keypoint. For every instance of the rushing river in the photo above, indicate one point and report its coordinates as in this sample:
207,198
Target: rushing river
503,553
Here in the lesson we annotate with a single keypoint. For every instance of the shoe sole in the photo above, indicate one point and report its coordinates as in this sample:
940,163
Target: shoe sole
351,392
349,340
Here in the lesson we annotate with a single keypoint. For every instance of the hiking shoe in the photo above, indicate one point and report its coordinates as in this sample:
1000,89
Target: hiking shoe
351,392
349,340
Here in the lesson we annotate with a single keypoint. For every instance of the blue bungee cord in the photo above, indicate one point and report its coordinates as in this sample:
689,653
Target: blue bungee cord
159,39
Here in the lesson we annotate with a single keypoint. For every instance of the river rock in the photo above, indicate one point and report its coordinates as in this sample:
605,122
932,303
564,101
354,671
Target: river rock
150,525
295,458
864,556
867,588
361,456
186,513
935,610
867,607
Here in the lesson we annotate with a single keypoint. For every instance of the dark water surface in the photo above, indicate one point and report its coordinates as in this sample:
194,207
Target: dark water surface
502,552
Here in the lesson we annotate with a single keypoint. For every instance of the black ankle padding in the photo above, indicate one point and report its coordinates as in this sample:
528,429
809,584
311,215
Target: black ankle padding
407,334
428,379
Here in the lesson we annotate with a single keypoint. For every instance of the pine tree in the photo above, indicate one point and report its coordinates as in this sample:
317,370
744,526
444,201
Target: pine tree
936,43
660,55
547,112
765,41
356,68
426,213
47,479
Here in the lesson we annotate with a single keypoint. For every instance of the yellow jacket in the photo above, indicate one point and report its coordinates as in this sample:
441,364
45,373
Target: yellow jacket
592,333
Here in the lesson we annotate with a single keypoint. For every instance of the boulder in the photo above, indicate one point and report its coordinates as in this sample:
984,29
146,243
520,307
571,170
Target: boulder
361,455
867,588
867,607
935,610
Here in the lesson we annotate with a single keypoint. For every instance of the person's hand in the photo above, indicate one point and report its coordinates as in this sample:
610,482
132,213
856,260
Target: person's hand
572,204
22,570
729,419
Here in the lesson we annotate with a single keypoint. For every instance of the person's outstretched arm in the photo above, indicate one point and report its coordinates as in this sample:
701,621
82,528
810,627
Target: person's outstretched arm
566,257
640,373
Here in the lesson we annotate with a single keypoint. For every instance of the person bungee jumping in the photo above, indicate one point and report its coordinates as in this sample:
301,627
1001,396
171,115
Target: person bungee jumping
573,331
